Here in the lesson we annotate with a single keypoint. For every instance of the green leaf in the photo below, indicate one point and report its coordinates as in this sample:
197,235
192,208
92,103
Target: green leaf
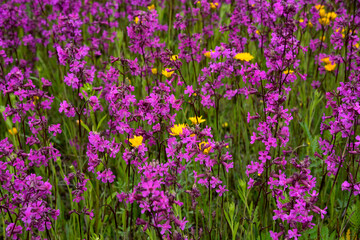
99,124
84,126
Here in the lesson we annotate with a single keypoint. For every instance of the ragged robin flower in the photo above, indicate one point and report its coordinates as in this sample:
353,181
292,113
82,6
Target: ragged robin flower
197,120
136,141
13,131
167,72
204,150
177,129
244,57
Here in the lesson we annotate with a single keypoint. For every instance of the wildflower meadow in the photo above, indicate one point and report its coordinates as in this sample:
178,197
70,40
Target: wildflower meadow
179,119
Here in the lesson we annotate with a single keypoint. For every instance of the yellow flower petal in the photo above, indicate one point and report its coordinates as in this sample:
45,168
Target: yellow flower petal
244,57
136,141
202,145
167,72
330,67
197,120
177,129
151,7
13,131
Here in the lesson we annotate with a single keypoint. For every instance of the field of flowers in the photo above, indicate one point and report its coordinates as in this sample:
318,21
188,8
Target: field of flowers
179,119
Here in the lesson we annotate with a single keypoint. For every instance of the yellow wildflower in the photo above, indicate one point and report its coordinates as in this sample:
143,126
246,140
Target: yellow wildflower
208,54
151,7
322,38
322,13
326,60
136,141
318,7
310,24
13,131
331,15
214,5
244,57
301,20
356,45
35,98
154,71
288,72
225,125
77,121
257,32
197,120
202,145
167,72
324,21
348,234
136,20
177,129
174,57
330,67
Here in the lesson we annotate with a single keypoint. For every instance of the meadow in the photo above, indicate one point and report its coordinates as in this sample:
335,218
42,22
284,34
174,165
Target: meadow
179,119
